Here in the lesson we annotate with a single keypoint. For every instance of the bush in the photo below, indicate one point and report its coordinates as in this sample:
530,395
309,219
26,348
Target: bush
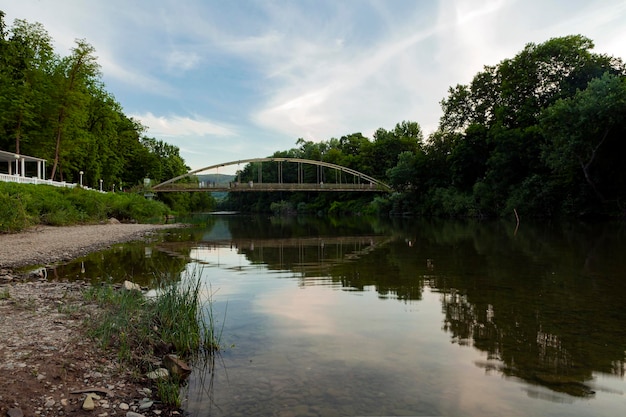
24,205
13,215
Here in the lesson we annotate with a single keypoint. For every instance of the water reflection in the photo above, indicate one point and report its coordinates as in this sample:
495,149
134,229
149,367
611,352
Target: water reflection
543,305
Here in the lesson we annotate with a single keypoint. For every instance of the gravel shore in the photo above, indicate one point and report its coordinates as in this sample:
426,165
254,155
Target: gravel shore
48,364
42,245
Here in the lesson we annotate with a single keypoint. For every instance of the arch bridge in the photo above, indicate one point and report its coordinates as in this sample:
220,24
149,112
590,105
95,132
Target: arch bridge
297,175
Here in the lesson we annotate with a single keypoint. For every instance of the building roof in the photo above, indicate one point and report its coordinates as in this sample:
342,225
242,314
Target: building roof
11,157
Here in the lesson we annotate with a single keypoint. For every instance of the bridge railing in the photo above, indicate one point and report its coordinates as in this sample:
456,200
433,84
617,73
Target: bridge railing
257,186
362,182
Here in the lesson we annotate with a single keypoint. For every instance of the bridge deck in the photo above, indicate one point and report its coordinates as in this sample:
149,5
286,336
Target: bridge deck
252,187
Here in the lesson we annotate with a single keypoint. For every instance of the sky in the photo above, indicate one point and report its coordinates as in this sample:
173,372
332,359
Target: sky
231,80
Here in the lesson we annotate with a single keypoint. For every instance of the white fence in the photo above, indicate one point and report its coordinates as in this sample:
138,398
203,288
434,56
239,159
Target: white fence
34,180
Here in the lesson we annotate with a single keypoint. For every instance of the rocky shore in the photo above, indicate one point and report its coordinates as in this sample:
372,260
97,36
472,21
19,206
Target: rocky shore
48,364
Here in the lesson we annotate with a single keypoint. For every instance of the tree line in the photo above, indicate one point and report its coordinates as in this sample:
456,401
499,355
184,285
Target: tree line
57,108
542,134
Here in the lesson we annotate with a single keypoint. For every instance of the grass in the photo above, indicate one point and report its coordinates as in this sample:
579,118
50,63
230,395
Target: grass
5,294
24,205
141,329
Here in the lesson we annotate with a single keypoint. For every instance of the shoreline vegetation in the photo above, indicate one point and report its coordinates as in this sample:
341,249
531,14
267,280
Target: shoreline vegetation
157,335
26,205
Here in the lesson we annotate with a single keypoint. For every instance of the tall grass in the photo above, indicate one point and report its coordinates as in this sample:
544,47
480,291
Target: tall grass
142,328
24,205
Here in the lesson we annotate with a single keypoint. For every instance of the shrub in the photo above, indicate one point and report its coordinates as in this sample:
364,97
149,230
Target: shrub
23,205
13,215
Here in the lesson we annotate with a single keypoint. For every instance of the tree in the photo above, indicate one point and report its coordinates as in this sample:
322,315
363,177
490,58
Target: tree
72,76
27,56
388,145
496,117
579,128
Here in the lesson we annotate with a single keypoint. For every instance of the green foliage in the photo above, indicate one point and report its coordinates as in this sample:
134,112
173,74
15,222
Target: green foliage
451,202
57,108
137,327
13,214
282,207
535,131
584,132
24,205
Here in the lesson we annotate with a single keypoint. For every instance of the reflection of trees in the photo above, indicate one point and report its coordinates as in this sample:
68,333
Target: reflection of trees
139,262
548,302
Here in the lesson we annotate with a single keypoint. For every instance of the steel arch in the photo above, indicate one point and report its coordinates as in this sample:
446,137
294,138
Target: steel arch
279,159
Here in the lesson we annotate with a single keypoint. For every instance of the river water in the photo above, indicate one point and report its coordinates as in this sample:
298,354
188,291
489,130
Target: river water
362,317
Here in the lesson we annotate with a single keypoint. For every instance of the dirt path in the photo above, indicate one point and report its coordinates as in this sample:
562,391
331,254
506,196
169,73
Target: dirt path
46,358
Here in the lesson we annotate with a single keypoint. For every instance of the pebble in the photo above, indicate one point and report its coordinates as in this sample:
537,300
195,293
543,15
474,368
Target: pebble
88,404
160,373
145,404
15,412
124,406
133,414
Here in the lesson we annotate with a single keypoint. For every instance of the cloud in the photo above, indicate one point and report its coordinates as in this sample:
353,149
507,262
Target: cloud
178,60
339,85
179,126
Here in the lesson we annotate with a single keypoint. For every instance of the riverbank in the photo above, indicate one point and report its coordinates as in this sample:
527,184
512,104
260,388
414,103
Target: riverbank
48,364
41,245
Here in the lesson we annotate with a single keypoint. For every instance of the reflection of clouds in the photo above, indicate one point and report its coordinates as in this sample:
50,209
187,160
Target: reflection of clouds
398,339
308,310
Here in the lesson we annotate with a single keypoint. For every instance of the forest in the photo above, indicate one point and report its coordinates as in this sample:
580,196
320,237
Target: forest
540,134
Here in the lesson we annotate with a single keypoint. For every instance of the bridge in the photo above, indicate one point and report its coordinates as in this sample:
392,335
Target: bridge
325,177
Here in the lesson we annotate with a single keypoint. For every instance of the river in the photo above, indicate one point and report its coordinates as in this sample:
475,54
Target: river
371,317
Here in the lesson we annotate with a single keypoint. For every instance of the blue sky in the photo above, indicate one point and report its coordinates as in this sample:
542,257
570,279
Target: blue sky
231,80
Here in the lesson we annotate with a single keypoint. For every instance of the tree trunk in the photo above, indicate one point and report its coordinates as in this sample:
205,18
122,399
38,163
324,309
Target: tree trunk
57,149
585,166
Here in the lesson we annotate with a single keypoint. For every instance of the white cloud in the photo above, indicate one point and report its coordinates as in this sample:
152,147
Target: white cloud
182,60
179,126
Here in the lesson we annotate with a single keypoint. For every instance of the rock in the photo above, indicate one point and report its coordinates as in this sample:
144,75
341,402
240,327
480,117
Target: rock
133,414
145,403
49,404
113,220
89,404
131,286
123,406
15,412
177,367
160,373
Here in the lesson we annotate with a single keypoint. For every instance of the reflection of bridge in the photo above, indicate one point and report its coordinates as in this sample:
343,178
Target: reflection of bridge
344,179
298,254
